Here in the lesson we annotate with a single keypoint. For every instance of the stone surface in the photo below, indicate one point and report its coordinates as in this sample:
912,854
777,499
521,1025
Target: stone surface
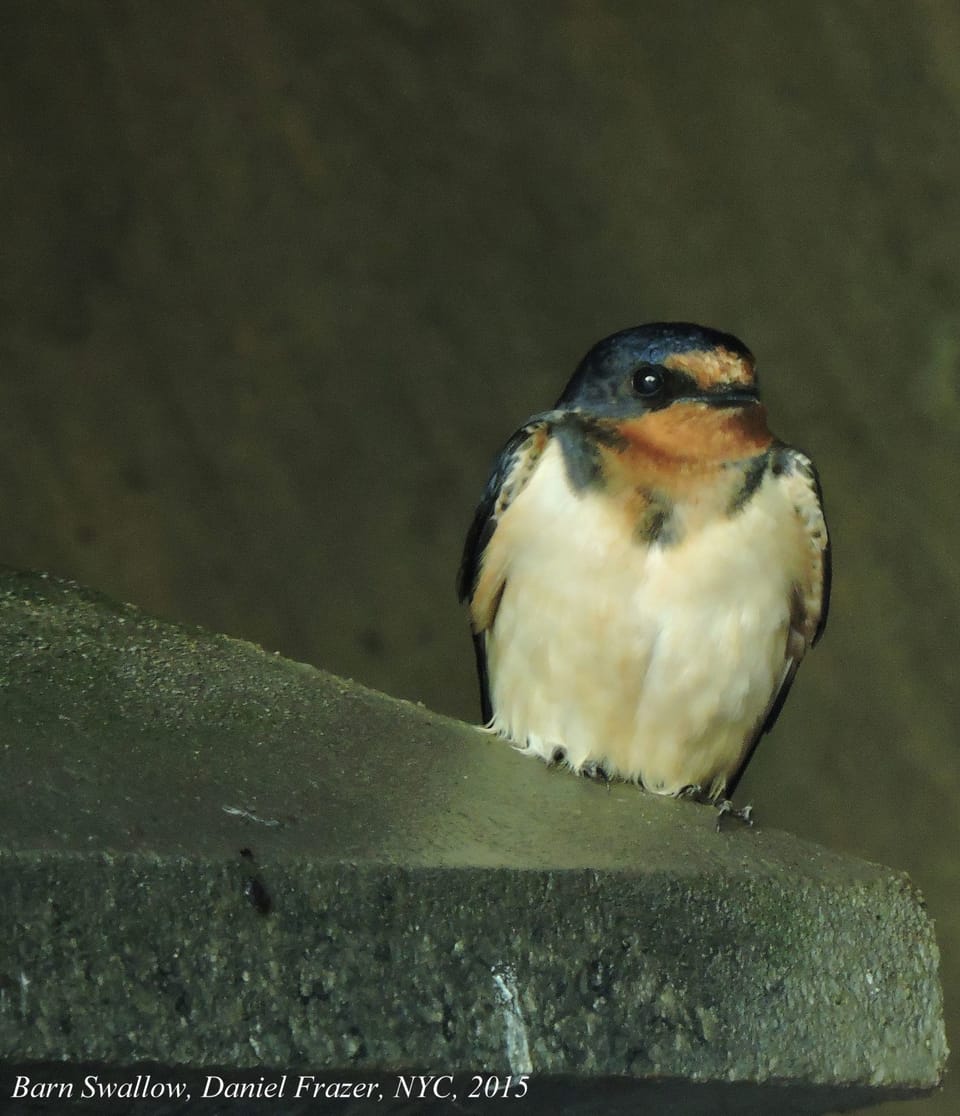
211,856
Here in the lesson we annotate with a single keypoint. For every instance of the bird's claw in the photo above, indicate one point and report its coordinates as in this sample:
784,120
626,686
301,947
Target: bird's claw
596,771
694,791
725,807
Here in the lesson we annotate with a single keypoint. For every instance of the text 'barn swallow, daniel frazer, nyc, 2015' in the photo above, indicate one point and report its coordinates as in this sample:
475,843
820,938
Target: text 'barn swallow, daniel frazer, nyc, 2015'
647,567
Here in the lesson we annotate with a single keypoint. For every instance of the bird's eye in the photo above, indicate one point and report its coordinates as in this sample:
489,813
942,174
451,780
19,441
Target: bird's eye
647,381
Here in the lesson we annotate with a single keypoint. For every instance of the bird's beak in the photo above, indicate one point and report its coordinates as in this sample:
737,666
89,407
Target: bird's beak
734,396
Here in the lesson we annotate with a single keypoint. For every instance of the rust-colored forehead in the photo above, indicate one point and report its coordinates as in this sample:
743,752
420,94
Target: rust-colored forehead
710,367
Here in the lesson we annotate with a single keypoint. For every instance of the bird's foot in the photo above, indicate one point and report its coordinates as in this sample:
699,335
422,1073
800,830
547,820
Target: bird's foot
596,771
694,791
725,808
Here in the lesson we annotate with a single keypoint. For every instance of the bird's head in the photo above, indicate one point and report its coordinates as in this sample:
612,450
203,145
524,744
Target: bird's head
652,367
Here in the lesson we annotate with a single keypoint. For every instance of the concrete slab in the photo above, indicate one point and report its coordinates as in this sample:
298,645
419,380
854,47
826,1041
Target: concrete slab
216,862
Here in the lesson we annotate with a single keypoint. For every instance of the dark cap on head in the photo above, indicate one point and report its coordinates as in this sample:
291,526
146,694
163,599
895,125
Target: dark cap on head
614,358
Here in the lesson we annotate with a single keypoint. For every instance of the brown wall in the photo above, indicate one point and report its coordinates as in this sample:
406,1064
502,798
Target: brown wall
276,281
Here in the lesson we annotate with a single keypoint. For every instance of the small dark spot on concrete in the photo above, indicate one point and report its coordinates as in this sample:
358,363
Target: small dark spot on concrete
258,895
448,1026
246,853
361,1051
599,978
381,952
316,993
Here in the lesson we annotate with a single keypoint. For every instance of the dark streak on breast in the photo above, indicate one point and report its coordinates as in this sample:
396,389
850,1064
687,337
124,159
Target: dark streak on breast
753,474
656,524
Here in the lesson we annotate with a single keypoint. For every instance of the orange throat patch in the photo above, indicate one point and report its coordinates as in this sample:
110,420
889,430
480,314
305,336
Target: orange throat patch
693,437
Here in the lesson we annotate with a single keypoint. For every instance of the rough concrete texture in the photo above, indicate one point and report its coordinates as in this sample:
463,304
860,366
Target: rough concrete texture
211,856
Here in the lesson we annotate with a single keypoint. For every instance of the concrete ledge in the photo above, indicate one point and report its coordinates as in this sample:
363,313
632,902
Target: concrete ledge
213,860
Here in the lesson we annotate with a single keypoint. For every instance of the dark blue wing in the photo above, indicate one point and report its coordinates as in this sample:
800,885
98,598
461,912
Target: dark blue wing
511,471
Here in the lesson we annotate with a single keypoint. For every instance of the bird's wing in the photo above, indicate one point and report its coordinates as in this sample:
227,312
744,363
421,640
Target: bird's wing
811,595
482,583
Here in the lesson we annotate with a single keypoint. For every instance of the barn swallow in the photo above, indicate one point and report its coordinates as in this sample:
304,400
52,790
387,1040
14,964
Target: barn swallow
647,568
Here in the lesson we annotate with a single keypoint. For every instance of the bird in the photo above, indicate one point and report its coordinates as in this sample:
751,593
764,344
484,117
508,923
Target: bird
647,568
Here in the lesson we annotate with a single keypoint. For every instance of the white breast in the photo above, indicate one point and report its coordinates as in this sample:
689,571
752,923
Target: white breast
658,661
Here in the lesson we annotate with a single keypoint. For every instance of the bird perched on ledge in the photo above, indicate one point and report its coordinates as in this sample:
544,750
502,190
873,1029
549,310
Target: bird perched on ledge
647,567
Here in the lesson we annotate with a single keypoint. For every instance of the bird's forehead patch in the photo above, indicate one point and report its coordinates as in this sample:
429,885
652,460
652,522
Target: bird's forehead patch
710,367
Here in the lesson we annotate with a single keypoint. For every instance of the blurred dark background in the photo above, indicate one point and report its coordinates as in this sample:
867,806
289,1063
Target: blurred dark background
276,280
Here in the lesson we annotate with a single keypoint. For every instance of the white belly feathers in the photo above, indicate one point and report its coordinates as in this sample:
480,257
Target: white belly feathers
657,661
